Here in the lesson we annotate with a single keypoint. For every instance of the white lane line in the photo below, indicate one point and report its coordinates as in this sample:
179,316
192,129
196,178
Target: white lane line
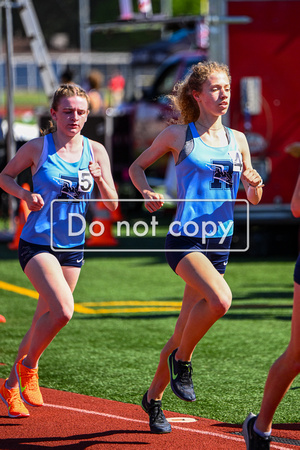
112,416
191,430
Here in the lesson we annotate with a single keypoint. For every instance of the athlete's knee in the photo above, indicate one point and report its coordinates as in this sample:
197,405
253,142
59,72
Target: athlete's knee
62,319
220,303
63,315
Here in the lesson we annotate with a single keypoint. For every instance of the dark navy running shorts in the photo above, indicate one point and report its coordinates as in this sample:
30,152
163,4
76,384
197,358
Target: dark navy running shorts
297,271
187,244
72,258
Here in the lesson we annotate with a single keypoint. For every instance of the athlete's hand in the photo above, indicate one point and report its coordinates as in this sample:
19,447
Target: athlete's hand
95,170
155,200
34,201
252,177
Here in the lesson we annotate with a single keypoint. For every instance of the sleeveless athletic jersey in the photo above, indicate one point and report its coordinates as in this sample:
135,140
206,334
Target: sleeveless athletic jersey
209,174
56,179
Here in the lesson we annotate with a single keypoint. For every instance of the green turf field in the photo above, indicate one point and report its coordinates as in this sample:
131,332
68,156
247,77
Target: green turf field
111,351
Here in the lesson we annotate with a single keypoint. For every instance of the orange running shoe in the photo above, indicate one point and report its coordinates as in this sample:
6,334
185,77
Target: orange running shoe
12,399
28,384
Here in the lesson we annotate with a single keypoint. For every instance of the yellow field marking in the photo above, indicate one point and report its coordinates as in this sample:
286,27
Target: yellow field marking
150,306
132,303
18,290
89,307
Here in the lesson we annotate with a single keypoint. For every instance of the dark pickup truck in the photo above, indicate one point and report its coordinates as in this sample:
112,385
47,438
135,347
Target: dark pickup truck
135,124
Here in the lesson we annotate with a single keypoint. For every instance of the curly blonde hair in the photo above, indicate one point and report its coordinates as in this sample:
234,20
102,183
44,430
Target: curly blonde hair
64,91
182,100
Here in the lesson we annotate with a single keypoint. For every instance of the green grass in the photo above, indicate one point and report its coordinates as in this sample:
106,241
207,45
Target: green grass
25,101
115,356
30,99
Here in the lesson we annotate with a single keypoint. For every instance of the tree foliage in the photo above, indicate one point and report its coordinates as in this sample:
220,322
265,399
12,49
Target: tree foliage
186,7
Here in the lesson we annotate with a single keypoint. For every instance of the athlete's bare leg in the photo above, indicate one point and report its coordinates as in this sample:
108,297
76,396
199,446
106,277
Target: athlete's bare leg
207,297
55,307
282,372
198,272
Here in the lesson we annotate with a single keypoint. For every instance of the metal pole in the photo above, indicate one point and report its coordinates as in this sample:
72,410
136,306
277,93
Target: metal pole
126,11
218,36
166,8
85,37
10,142
218,50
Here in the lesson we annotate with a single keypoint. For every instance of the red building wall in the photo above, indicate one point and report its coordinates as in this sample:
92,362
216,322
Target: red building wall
269,48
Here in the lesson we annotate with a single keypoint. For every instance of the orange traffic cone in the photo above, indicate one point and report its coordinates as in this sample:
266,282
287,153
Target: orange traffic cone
101,228
117,214
20,220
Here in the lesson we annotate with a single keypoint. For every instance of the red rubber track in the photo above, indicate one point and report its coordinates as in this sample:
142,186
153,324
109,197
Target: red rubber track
77,422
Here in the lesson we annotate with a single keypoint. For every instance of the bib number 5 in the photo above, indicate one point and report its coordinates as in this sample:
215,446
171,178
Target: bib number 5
85,181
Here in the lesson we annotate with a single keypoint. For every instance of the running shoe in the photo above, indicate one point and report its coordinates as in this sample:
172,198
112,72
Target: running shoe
181,378
12,399
28,384
252,439
157,421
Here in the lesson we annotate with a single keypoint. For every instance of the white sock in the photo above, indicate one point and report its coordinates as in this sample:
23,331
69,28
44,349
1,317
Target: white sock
261,433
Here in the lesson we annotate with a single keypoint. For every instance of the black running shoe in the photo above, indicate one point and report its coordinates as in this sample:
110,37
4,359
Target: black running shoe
181,378
157,421
252,439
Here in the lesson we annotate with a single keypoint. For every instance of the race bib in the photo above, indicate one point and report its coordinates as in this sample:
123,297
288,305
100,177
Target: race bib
85,180
236,157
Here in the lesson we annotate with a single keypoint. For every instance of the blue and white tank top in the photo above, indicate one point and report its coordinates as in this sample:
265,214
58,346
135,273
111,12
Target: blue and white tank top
211,175
65,186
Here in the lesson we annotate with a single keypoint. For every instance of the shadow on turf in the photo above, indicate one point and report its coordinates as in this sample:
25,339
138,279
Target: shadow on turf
258,316
127,316
274,295
85,441
234,307
243,315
